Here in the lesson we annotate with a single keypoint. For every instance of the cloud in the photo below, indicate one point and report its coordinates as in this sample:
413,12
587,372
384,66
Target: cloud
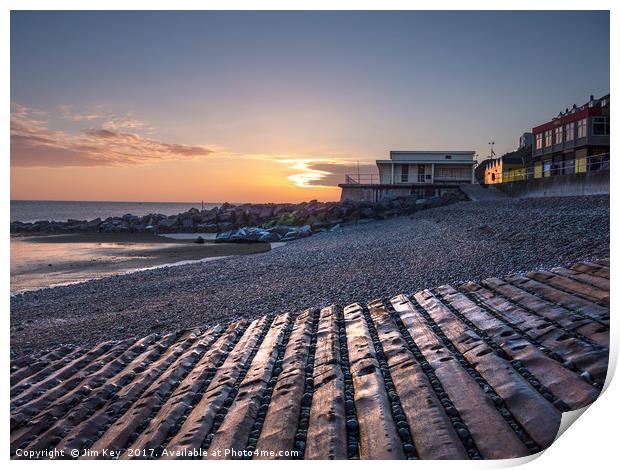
108,119
33,143
69,114
109,140
124,123
320,172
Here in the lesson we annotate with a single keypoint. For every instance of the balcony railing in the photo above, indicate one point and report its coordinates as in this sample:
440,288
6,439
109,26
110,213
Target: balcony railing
365,178
590,164
399,179
453,178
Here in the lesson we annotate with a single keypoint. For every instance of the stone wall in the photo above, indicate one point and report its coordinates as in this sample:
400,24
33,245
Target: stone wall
580,184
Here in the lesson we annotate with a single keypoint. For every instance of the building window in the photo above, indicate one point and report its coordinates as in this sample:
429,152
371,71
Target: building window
558,135
539,141
548,138
404,173
600,126
582,128
569,132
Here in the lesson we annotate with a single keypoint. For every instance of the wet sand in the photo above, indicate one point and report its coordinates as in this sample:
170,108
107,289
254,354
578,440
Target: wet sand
43,261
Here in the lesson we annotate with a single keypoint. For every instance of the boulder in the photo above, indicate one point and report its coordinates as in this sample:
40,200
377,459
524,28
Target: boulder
269,237
95,223
246,235
281,230
225,226
224,237
167,223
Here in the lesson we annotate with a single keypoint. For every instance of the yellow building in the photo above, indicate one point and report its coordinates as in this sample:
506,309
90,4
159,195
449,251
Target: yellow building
493,171
509,167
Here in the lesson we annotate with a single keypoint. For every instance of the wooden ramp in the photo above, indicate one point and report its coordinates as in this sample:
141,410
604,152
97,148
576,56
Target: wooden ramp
479,371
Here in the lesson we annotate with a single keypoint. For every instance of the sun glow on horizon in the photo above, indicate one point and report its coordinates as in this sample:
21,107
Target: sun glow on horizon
308,177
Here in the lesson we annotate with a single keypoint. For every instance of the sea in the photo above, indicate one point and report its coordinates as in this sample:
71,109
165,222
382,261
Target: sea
31,211
37,265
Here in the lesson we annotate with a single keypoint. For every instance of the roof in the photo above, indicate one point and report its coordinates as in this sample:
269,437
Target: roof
438,152
592,108
441,162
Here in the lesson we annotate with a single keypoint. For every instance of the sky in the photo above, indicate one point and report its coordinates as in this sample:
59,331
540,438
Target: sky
278,106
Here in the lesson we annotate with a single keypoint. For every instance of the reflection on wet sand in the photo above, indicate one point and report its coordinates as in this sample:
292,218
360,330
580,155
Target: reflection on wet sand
44,261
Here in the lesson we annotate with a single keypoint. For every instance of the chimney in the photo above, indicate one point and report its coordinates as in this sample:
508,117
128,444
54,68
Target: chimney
591,97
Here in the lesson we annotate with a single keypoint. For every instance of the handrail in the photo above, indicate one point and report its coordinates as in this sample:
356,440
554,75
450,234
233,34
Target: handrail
362,178
589,164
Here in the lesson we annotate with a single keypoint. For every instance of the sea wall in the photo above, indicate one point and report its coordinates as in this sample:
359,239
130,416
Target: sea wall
580,184
373,193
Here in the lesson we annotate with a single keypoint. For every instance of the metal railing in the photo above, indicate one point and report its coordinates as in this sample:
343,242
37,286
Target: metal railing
373,178
466,179
589,164
369,178
365,178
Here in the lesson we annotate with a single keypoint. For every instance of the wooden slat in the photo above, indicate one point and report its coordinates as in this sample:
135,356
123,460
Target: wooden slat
181,400
234,432
566,284
68,401
591,268
66,372
570,320
327,438
282,419
563,383
118,435
85,432
584,278
58,428
571,302
539,418
378,433
558,340
491,433
200,420
34,370
431,428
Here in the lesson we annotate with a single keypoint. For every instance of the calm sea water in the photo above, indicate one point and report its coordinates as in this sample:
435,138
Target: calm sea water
30,211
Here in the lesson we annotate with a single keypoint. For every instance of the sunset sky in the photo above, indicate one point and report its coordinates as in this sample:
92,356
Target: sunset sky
277,106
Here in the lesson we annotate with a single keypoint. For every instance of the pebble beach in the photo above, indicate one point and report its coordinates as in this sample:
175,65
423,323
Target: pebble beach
356,263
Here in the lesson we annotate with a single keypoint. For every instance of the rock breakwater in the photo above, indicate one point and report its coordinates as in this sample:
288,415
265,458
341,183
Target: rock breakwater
246,222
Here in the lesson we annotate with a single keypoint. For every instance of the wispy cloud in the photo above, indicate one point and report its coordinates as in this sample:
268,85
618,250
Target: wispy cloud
68,113
124,123
108,119
34,143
